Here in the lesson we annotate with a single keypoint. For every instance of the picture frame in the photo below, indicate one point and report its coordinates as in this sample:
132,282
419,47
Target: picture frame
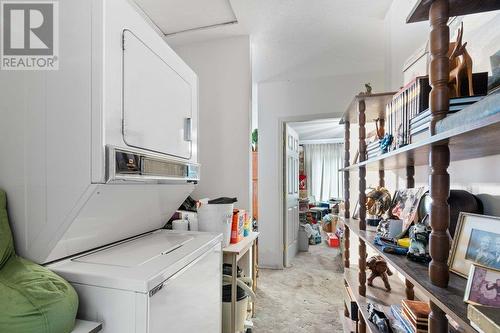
405,204
477,241
483,287
355,214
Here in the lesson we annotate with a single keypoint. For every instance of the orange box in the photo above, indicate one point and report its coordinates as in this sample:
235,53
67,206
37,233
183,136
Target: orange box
239,217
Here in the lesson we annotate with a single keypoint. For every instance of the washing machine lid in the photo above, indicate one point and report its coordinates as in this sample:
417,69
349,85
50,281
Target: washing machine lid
139,264
138,251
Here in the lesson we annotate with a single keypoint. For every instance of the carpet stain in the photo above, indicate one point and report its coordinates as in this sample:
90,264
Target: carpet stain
303,298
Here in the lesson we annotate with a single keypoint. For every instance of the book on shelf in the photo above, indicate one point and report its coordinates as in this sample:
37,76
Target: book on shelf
406,104
418,309
484,319
408,113
416,313
396,311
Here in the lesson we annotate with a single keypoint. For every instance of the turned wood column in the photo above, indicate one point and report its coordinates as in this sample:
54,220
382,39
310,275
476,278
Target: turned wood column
439,156
361,323
362,196
347,158
410,183
437,320
347,244
362,169
347,192
381,178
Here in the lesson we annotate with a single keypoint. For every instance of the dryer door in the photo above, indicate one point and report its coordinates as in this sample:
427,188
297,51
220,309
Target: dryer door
157,101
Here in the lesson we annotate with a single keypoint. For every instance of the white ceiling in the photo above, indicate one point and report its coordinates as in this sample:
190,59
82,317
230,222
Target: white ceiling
324,129
291,39
175,16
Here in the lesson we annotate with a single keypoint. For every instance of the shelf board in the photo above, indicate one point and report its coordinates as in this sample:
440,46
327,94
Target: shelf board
471,140
449,299
420,11
375,107
376,295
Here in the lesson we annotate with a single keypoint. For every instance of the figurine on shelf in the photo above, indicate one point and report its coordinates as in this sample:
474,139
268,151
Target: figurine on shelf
368,88
379,128
379,268
378,203
379,319
386,143
419,235
460,65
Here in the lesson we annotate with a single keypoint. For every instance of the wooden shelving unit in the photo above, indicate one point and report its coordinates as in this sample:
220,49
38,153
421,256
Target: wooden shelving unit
469,140
450,298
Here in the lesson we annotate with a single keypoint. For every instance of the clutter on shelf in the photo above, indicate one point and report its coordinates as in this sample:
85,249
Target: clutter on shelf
379,319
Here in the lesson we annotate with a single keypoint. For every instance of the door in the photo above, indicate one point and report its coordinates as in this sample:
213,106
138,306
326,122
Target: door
157,101
291,192
191,300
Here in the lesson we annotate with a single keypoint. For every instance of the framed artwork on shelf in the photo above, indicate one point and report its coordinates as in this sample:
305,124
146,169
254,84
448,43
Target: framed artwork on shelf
405,205
355,214
483,287
477,241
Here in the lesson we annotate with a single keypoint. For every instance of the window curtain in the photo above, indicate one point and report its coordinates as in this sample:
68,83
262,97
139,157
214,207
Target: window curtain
322,163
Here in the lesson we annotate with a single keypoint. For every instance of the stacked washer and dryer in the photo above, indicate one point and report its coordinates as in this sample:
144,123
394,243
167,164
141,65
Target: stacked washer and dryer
96,157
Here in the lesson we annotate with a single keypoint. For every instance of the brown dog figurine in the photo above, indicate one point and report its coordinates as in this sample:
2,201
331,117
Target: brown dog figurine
379,268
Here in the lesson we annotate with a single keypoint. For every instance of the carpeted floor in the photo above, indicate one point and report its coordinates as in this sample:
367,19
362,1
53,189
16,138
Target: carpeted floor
304,298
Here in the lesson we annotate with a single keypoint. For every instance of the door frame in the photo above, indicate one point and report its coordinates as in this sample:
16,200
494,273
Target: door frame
281,167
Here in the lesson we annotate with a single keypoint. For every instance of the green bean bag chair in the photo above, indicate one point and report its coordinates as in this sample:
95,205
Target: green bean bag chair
32,298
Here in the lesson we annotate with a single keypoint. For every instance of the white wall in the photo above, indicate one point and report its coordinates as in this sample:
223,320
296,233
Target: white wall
293,101
224,70
401,41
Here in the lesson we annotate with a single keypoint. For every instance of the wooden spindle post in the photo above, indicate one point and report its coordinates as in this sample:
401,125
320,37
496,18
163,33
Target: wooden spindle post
347,157
410,183
410,177
439,156
409,291
347,194
437,320
362,196
361,323
347,244
381,178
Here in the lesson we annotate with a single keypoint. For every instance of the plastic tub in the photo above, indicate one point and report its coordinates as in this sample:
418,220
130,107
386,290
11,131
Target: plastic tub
181,225
216,218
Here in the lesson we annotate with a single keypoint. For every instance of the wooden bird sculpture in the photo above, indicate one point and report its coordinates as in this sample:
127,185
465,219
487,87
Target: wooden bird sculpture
460,65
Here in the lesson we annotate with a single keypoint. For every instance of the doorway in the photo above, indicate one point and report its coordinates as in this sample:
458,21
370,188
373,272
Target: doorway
312,156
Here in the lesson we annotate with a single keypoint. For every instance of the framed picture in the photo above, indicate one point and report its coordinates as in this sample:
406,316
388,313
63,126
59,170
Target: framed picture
477,240
405,205
483,287
355,214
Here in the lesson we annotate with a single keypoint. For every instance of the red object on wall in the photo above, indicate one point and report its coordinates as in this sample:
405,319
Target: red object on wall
302,182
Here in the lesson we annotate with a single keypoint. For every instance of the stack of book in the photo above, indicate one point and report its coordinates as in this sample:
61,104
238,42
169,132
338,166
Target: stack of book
406,104
413,315
373,149
419,125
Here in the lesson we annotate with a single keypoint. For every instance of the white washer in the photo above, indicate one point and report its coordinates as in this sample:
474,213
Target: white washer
150,283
